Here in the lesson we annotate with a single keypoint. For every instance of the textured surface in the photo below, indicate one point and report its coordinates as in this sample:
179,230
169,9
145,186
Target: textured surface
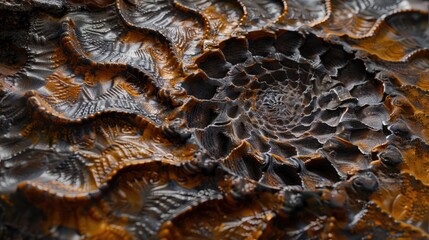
214,119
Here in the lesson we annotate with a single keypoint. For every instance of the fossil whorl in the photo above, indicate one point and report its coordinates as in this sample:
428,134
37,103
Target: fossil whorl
284,96
213,119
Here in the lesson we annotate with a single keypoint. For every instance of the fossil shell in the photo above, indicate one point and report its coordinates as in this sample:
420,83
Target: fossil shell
213,119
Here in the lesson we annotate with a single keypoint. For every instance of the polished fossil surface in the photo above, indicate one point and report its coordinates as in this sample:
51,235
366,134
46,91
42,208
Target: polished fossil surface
214,119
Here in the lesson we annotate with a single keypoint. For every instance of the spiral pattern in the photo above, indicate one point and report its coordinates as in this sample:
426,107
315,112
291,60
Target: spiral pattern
179,119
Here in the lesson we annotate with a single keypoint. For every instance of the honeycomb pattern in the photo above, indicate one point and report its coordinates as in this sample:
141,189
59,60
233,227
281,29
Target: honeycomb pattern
213,119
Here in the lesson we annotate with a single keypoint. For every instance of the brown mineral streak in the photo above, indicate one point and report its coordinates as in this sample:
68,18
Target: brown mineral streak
214,119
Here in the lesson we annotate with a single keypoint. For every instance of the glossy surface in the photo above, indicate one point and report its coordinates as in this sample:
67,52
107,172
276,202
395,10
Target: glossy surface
213,119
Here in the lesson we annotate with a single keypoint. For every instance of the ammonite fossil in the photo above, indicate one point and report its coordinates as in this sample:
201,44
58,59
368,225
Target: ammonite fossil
214,119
